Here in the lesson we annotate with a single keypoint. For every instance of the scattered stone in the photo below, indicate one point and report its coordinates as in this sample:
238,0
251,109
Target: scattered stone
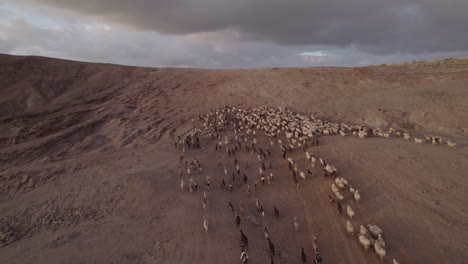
24,179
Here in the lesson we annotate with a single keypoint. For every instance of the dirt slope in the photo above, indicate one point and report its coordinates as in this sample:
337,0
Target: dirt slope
88,174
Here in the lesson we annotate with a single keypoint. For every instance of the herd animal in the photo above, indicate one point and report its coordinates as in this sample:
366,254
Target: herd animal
235,130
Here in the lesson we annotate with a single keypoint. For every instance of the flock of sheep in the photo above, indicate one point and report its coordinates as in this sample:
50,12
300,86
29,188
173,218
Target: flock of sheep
234,130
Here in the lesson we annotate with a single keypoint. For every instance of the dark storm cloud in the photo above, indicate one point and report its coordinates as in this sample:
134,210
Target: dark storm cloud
375,26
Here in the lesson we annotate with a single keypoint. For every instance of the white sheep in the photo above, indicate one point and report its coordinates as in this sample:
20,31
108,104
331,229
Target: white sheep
205,223
363,231
339,196
380,251
339,182
334,188
418,141
406,136
364,241
380,240
357,196
349,227
350,211
451,144
375,230
302,174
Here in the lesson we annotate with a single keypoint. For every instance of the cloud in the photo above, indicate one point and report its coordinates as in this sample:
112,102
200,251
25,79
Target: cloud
314,53
378,27
88,31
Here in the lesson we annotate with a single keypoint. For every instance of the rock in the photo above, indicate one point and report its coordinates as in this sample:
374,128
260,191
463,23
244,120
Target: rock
31,183
24,179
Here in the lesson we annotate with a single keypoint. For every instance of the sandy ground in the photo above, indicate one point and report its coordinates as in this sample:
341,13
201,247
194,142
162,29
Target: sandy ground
87,174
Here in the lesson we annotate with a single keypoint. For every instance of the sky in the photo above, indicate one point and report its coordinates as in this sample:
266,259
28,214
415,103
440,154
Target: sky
236,33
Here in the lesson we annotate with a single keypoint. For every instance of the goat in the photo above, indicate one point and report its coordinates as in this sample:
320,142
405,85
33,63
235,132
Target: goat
244,240
272,247
265,233
303,256
238,220
275,212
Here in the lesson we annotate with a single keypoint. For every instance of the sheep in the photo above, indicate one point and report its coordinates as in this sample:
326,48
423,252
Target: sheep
352,190
339,196
205,223
339,182
418,141
375,230
362,135
395,262
350,211
451,144
275,212
363,231
380,251
380,240
364,241
302,174
244,257
296,224
182,185
357,196
406,136
349,227
334,188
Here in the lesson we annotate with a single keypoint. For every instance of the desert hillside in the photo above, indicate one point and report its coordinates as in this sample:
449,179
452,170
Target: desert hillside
89,172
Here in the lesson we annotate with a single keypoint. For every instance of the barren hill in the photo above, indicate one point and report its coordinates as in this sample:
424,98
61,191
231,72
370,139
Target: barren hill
88,173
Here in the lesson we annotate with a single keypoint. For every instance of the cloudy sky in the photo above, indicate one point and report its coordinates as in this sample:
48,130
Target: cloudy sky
235,33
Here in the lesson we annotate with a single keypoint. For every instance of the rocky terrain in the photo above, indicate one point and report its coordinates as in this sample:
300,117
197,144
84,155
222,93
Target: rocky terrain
89,173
